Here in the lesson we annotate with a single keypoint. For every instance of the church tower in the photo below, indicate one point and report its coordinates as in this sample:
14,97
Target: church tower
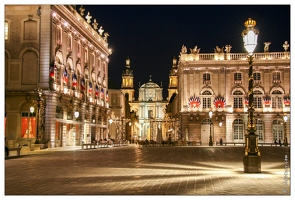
173,80
127,82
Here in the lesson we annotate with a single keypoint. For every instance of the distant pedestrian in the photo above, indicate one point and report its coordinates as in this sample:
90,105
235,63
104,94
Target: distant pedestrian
6,150
280,143
221,141
276,142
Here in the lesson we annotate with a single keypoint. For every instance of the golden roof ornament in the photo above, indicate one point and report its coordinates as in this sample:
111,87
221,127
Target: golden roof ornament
250,23
81,9
88,17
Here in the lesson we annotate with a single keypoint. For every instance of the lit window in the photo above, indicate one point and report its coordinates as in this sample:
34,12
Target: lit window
257,77
238,129
28,126
276,77
257,99
238,99
206,100
238,78
277,99
206,78
259,129
6,31
277,130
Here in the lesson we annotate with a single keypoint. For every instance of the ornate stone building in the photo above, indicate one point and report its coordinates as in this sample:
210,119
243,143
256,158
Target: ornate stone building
56,72
218,82
149,116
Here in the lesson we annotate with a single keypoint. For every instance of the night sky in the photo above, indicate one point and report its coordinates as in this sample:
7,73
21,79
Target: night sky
152,35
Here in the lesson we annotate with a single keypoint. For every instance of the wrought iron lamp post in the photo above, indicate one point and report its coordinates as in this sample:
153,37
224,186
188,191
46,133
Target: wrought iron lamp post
39,102
285,131
252,159
210,138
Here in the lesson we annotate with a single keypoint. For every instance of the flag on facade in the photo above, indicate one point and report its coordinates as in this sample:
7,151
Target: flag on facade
82,84
101,93
74,80
287,100
107,95
90,87
194,102
51,71
219,102
65,76
96,91
246,101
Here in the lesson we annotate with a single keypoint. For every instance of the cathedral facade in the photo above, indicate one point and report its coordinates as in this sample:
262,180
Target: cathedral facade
150,121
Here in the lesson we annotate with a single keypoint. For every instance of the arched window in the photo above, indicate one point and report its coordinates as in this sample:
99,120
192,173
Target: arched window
238,130
259,129
257,99
277,99
28,126
206,99
277,129
238,99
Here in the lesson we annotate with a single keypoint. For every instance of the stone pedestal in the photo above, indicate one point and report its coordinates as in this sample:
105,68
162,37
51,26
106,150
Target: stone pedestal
252,164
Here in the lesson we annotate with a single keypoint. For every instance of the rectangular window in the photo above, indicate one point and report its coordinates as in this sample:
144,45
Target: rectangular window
238,78
28,125
206,102
257,77
259,129
238,102
257,102
86,56
6,31
58,35
276,77
276,102
206,78
238,132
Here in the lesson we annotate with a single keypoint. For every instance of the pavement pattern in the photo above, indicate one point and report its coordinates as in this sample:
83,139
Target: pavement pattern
137,170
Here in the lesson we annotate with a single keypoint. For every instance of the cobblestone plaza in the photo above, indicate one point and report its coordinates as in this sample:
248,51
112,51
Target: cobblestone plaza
137,170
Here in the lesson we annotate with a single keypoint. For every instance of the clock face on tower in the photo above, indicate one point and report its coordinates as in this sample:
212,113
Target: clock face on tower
150,93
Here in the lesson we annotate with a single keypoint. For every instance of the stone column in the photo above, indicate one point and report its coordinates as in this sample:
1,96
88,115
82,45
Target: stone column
89,120
50,111
82,132
64,128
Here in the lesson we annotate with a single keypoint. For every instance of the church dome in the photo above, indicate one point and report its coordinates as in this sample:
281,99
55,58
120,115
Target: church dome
150,84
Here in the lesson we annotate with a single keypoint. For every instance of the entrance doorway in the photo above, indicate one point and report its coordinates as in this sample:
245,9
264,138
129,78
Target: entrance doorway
71,137
205,131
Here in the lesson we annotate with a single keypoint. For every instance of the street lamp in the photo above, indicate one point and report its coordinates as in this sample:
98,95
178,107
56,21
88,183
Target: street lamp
252,159
40,103
76,113
210,138
285,131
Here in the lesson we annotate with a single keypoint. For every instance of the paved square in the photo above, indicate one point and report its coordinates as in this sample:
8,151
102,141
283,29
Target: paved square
136,170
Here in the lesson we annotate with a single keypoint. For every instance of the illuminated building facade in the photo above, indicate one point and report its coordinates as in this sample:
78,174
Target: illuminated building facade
149,119
218,82
63,53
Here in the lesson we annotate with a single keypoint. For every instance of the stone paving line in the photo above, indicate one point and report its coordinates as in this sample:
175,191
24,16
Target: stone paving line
135,170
